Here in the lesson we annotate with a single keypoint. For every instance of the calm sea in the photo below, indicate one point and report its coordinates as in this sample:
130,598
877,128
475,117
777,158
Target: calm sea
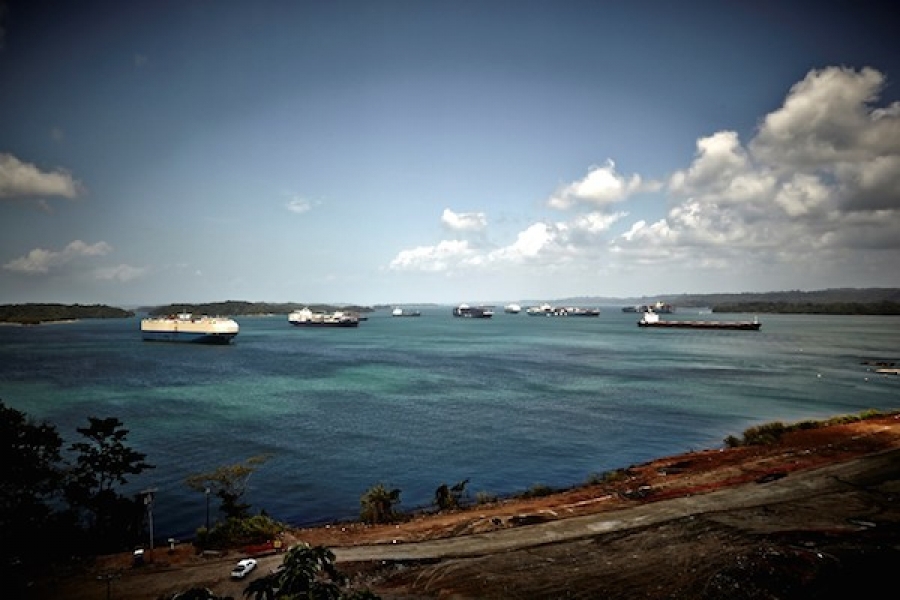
509,403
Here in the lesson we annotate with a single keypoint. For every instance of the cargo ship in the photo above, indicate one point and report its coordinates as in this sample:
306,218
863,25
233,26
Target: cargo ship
405,312
185,327
651,319
307,318
473,312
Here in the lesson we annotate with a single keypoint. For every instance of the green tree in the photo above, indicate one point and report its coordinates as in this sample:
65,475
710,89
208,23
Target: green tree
449,498
30,479
103,463
306,572
377,504
229,484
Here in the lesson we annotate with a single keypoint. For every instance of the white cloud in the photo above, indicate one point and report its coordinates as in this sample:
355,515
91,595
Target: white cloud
298,205
19,179
827,119
600,187
119,273
441,257
473,221
815,190
40,261
816,173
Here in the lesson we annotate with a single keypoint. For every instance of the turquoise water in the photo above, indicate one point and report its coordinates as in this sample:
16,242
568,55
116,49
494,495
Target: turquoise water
508,403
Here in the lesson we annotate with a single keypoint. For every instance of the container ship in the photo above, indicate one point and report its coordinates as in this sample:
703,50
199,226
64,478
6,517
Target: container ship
185,327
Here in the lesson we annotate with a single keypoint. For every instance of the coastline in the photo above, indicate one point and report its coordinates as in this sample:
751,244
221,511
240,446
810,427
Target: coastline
687,479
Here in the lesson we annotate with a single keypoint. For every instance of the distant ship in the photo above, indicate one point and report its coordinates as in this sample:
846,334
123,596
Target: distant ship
185,327
307,318
405,312
659,308
512,309
473,312
545,310
651,319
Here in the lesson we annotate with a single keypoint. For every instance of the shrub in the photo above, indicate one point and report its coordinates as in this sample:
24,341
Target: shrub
377,504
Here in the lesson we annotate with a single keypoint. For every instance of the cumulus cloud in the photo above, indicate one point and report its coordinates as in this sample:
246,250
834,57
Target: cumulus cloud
473,221
19,179
441,257
817,185
41,261
810,181
602,186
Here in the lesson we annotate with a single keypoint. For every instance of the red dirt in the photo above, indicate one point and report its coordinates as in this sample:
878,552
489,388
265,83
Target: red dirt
686,559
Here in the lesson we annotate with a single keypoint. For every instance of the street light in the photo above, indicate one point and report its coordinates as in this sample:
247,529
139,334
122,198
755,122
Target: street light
207,491
148,502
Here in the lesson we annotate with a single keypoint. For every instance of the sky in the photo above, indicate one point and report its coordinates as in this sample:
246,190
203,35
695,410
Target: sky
399,151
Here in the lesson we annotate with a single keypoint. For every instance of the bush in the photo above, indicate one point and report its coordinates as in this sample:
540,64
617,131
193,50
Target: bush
377,505
240,532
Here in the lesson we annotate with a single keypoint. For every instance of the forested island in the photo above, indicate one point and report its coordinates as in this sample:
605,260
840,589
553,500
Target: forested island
242,308
35,314
810,308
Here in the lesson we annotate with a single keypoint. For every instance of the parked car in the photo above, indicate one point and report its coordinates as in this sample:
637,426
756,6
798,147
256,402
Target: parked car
243,568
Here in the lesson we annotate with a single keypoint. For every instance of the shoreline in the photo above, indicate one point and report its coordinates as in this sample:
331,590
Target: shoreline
688,479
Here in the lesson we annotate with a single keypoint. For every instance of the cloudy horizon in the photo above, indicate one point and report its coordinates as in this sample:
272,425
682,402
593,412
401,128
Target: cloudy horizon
421,152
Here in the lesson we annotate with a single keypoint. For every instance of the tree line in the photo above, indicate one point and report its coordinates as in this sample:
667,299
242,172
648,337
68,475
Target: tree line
32,314
809,308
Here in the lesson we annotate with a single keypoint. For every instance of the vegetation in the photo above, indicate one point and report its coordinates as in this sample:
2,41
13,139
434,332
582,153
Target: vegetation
33,314
377,505
450,498
768,434
237,307
104,462
245,531
836,308
229,484
306,572
75,502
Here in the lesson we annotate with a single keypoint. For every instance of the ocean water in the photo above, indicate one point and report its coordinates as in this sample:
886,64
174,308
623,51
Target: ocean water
509,402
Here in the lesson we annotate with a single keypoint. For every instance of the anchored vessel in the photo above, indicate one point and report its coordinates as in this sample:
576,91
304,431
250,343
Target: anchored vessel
545,310
473,312
307,318
405,312
651,319
185,327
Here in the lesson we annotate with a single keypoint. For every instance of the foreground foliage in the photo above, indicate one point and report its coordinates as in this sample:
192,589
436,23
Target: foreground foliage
306,572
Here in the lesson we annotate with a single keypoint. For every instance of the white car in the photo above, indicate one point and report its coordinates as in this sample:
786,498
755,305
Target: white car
243,568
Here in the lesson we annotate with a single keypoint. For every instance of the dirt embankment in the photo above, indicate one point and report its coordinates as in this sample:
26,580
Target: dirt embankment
799,519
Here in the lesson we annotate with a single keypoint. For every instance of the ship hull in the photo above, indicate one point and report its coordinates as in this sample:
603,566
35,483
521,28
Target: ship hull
189,329
735,326
325,324
187,337
307,318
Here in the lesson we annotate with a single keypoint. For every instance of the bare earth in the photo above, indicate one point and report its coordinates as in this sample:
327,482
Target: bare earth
815,516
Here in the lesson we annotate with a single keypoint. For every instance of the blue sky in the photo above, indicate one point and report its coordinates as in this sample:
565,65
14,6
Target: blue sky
401,151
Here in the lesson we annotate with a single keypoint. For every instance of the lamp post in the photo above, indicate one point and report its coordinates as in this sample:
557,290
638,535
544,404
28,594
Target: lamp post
148,502
206,491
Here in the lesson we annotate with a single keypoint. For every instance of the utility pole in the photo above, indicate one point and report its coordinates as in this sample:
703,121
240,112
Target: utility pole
207,491
148,502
